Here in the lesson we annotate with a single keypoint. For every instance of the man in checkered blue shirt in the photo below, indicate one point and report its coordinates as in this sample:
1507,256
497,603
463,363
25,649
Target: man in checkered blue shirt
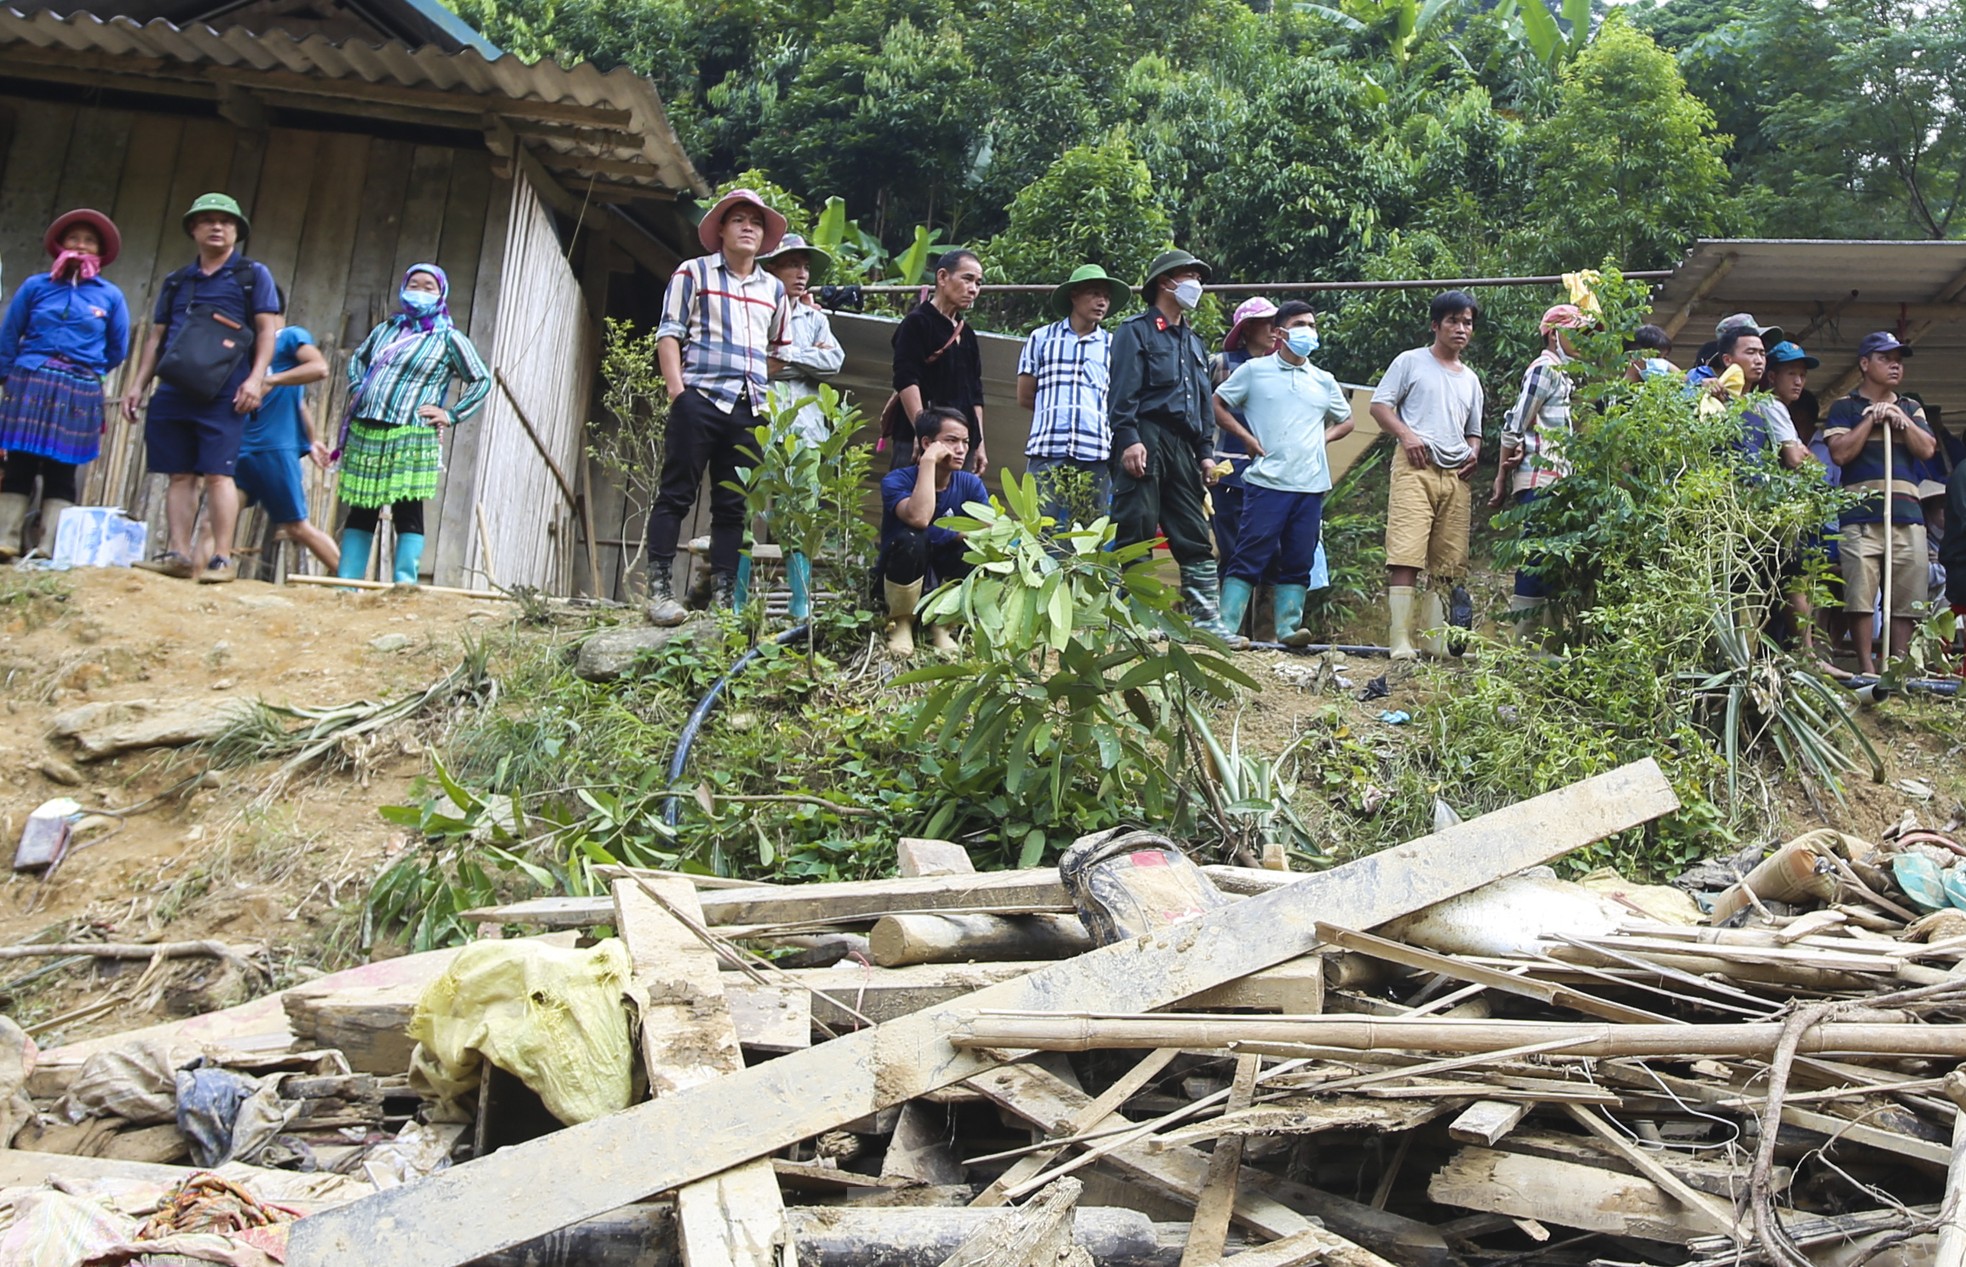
1062,379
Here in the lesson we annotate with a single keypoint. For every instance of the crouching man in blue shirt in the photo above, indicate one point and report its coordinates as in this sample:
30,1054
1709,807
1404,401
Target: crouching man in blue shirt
915,553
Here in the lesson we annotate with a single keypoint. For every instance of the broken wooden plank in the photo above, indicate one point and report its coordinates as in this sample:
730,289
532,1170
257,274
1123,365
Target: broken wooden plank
898,940
494,1202
918,1151
1093,1115
1041,1098
1560,1192
1494,978
732,1219
770,1017
1038,1234
1209,1230
1951,1251
915,856
1702,1208
1312,1117
1486,1121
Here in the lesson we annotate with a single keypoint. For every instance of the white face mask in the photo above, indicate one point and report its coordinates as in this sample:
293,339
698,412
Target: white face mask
1187,294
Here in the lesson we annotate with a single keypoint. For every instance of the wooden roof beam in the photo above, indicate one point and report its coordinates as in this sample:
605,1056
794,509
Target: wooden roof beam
1953,289
1706,287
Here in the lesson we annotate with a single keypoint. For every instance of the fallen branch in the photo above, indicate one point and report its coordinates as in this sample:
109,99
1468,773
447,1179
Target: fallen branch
131,950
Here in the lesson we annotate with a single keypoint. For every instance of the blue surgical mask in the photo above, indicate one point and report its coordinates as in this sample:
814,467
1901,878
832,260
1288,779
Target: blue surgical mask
420,302
1301,340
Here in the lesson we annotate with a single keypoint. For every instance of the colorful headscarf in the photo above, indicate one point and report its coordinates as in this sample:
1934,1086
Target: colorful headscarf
437,320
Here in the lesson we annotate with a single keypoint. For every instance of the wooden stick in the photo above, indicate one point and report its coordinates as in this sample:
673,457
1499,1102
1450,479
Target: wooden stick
1697,1203
1094,1114
1083,1031
1461,970
345,583
484,543
532,432
1952,1227
130,950
1209,1229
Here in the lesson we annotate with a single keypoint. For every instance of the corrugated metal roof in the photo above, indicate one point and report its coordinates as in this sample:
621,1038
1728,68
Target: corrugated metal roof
1827,295
648,136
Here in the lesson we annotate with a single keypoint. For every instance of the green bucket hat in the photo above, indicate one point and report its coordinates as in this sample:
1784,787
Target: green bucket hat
218,202
1166,262
818,260
1061,298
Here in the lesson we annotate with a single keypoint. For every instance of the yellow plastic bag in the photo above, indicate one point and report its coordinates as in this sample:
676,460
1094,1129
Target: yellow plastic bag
554,1018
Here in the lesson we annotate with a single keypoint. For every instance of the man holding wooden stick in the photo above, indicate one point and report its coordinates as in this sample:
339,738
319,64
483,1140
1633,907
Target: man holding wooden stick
1876,436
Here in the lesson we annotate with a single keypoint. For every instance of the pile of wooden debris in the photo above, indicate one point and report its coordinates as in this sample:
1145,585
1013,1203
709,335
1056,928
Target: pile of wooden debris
1427,1057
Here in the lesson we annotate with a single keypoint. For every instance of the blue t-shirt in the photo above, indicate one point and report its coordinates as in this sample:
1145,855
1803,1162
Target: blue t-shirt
899,484
85,323
1287,407
227,293
275,427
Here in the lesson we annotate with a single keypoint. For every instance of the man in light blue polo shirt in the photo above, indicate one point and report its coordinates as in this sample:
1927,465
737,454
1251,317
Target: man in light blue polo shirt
1294,409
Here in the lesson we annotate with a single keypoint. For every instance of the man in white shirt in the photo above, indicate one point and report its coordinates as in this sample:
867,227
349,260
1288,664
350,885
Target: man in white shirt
1430,402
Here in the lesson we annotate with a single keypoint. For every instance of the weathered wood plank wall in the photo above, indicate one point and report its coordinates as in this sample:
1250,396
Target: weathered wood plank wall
337,217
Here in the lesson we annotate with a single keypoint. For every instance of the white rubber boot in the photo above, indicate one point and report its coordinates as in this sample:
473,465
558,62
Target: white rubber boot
1399,605
901,600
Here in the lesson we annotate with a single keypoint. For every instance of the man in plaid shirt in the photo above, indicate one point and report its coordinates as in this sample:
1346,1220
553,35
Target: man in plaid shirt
1062,379
1529,462
723,318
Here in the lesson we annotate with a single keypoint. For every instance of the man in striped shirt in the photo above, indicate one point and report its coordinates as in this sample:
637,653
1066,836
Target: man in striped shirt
723,318
1529,463
1062,378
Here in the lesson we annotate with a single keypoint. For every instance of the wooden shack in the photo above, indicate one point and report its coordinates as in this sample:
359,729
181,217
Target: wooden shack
361,138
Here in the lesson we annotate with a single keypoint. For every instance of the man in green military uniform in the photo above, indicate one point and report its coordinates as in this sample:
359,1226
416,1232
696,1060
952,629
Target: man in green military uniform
1164,429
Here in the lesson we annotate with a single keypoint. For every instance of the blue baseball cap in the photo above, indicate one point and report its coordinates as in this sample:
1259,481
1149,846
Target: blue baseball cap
1786,353
1882,341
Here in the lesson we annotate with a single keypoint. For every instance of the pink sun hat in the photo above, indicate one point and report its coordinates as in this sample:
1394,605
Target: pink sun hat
1258,309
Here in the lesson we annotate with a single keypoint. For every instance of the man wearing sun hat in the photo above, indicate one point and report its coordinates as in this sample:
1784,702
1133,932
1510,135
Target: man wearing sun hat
1062,378
1163,430
724,322
810,356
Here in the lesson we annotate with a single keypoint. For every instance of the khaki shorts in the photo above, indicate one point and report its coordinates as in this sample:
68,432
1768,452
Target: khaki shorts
1863,567
1427,516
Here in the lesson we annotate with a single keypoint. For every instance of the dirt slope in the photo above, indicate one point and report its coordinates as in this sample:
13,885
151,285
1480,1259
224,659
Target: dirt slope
214,862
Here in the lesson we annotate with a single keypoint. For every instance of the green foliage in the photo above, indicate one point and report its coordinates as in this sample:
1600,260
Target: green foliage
1069,714
1629,167
1095,205
1313,184
627,443
1762,694
809,493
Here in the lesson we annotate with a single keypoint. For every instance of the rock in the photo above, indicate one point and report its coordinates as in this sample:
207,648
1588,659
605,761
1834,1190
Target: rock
609,654
59,771
261,602
389,642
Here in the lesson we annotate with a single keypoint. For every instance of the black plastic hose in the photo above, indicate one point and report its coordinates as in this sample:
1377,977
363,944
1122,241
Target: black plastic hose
672,808
1925,685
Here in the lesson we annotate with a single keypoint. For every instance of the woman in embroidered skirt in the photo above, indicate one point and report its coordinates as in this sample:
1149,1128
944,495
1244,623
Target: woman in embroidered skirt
63,331
390,454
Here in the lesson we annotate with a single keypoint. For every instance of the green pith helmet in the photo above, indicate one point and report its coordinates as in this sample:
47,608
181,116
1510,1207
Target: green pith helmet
218,202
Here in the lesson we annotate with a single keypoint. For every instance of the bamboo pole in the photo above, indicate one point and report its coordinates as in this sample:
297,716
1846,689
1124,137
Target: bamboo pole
1081,1031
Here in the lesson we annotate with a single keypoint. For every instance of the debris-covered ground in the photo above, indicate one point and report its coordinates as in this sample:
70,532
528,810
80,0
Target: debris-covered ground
1434,1055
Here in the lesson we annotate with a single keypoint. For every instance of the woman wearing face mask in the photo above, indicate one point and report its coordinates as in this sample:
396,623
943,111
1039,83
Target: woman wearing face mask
63,331
390,453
